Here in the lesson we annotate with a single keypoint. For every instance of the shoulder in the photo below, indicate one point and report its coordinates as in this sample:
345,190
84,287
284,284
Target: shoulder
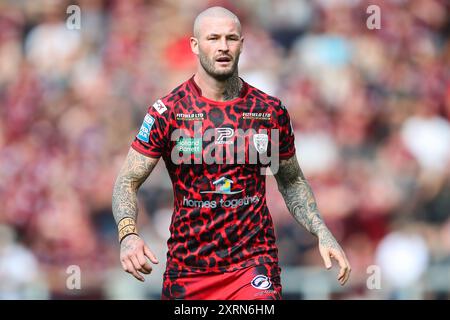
262,97
166,104
272,104
176,95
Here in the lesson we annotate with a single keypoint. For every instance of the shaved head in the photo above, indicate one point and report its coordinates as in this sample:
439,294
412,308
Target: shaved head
217,42
214,12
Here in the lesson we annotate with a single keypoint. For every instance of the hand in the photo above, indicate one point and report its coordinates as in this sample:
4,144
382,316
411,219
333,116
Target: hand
133,256
329,248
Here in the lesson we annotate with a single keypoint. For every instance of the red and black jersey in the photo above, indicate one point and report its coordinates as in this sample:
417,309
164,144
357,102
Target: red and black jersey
215,153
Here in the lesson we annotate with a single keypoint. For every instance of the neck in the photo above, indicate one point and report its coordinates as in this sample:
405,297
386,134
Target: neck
217,90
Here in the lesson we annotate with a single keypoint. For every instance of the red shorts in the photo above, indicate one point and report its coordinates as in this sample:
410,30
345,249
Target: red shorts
260,282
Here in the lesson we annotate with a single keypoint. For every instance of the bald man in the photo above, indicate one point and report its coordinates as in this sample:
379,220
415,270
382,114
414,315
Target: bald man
215,133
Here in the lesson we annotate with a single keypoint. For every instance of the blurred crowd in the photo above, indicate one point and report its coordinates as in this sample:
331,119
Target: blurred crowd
370,109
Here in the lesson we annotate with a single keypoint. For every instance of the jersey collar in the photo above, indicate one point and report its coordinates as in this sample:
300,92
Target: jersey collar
197,91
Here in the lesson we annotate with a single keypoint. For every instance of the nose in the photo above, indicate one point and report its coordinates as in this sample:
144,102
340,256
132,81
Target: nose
223,45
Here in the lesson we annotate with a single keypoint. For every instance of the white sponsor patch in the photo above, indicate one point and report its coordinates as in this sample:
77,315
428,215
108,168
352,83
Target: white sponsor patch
160,106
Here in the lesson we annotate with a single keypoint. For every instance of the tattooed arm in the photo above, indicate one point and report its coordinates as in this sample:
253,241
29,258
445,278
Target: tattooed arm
300,201
133,250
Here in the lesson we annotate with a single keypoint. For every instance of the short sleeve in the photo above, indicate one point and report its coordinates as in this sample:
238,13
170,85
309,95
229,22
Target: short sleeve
287,137
151,139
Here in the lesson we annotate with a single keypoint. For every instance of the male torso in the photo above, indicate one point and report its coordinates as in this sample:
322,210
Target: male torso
215,153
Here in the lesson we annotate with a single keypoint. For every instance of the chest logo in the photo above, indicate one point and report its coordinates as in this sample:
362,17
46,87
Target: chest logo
260,140
224,135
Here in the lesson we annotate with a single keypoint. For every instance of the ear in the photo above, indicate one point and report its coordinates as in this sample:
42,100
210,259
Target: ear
242,44
194,45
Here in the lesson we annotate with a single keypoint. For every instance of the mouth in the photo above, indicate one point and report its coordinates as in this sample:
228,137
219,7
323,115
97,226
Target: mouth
223,60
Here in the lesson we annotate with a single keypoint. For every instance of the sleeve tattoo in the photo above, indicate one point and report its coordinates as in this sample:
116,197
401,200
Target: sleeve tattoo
300,201
133,173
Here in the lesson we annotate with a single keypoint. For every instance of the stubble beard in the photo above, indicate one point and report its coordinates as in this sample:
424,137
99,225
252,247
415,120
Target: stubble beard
208,66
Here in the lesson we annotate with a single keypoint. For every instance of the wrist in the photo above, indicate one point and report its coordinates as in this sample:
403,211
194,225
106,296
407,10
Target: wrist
323,231
126,227
129,237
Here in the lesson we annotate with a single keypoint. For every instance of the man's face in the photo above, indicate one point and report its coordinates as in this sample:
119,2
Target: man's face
218,46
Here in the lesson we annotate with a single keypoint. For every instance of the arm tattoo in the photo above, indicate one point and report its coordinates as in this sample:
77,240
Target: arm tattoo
133,173
300,201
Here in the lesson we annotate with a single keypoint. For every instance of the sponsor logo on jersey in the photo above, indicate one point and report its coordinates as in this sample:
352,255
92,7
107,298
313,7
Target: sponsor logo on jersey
144,132
189,145
159,106
224,135
222,203
223,186
256,115
261,282
260,141
190,116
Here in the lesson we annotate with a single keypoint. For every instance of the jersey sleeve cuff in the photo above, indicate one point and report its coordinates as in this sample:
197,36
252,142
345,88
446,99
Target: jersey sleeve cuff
147,153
